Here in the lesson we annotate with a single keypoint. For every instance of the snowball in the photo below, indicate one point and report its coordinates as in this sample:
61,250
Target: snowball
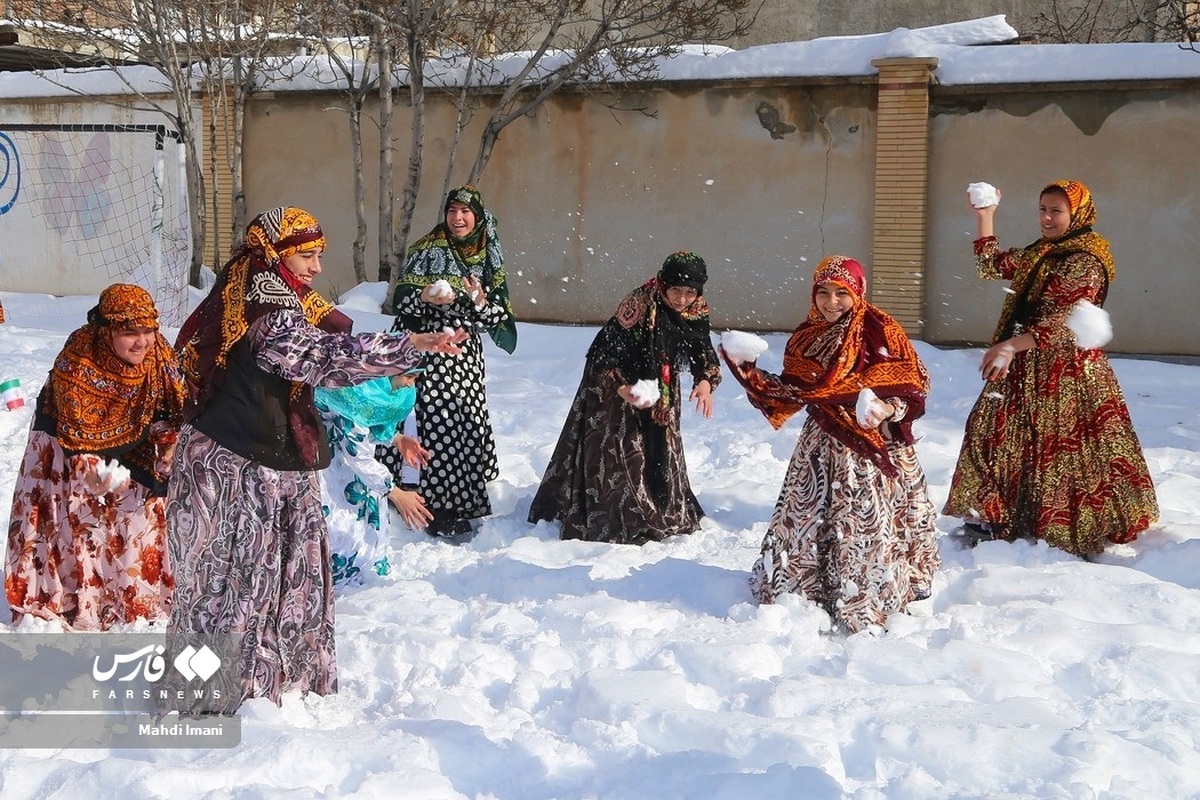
983,195
112,475
1091,325
441,290
645,391
742,347
862,408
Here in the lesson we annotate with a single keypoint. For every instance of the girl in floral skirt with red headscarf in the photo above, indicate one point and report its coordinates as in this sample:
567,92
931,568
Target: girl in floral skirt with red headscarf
853,527
87,537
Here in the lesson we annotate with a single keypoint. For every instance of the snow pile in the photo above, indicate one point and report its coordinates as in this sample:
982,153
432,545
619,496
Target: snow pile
519,666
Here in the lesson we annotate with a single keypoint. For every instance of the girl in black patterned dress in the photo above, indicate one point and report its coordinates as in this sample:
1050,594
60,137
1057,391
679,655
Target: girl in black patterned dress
618,472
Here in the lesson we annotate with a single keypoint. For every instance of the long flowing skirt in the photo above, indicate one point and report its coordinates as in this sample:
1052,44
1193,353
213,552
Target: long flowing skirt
253,568
616,475
1050,452
90,561
847,536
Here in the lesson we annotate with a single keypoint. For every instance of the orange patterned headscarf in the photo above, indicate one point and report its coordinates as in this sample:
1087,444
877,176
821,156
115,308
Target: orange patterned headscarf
1038,259
101,403
827,364
254,283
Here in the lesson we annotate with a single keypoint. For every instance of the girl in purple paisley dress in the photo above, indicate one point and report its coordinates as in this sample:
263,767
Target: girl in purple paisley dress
246,527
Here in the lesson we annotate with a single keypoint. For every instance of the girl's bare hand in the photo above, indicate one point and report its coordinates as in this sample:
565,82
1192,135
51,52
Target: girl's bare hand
444,342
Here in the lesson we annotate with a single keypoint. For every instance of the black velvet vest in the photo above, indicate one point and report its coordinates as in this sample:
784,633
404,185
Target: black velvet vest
248,415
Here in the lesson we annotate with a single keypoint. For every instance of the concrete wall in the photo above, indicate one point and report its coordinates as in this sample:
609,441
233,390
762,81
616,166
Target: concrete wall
591,201
763,179
1134,149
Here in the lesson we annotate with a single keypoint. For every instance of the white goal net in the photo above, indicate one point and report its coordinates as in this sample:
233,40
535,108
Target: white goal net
84,206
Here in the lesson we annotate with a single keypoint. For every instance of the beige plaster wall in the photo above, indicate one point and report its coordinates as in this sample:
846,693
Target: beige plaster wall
1135,151
591,201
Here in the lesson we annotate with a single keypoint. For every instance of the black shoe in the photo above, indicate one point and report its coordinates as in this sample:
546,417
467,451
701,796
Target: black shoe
449,527
972,533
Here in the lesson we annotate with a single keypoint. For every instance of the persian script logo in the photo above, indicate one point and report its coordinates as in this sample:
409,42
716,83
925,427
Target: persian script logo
190,663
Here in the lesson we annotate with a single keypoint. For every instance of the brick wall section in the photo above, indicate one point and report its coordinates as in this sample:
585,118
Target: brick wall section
901,188
218,181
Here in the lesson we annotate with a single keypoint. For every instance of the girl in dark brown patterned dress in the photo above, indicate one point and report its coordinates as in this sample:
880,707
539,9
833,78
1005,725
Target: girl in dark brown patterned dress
853,526
618,472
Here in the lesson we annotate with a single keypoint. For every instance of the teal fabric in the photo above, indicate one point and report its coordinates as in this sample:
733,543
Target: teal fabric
375,405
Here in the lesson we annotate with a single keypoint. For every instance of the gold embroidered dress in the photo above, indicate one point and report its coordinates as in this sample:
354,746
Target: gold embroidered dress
1049,450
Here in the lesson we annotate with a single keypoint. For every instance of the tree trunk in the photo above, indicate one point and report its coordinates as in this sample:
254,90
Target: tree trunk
387,255
412,181
358,250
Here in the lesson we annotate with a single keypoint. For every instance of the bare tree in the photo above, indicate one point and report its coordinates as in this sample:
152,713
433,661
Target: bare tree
350,34
1088,21
217,45
591,44
551,44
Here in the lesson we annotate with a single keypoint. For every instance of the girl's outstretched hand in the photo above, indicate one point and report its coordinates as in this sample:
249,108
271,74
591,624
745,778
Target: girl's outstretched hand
411,506
411,451
445,342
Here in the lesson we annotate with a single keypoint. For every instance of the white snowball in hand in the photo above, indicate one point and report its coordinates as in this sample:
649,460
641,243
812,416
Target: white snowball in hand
983,195
742,347
1091,325
112,475
862,409
441,290
645,391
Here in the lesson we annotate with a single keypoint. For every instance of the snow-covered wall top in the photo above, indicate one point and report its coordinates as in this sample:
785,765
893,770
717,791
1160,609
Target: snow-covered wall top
961,61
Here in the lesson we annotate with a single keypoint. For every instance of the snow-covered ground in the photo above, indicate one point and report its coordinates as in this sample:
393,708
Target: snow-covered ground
522,667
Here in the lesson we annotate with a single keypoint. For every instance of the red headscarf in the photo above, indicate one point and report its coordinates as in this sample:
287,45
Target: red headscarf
827,364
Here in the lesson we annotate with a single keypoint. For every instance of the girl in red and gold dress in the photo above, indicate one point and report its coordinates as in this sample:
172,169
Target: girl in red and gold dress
1049,450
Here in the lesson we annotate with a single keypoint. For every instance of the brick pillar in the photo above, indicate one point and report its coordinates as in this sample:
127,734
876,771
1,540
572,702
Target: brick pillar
217,109
901,189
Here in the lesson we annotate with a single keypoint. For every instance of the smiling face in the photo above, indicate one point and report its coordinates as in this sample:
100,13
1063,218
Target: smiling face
833,300
680,297
1054,214
460,219
133,344
305,265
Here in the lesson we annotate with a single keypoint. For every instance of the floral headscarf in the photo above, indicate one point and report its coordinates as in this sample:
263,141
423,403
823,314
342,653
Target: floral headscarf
646,338
440,255
254,283
1037,259
102,403
826,365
